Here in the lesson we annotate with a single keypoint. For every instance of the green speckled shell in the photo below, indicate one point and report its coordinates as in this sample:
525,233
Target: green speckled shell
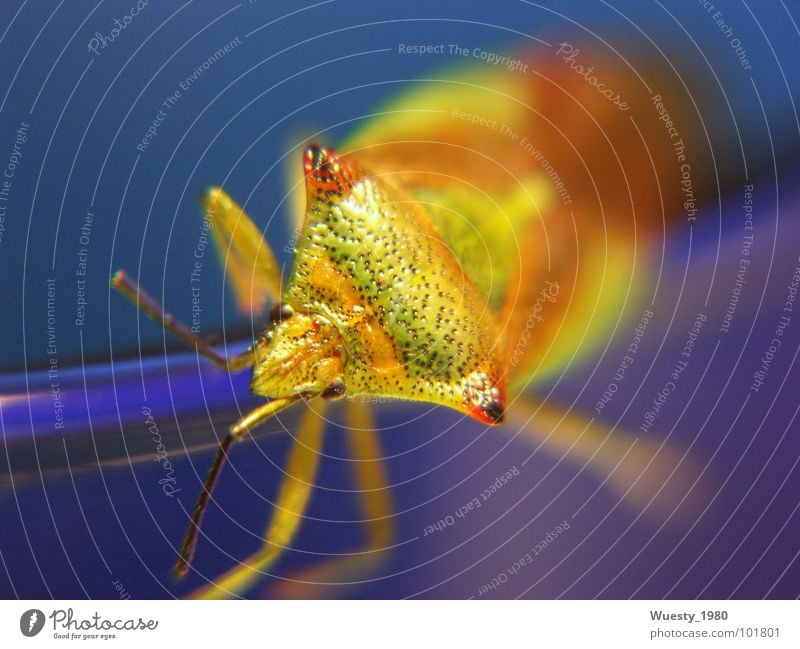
370,261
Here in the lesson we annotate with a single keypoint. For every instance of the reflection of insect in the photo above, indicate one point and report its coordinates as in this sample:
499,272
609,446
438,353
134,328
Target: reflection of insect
460,247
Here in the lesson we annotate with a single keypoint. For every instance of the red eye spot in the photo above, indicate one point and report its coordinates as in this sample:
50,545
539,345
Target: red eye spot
491,413
315,325
486,399
326,171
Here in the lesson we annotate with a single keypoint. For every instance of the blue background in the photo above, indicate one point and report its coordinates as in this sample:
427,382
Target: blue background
317,69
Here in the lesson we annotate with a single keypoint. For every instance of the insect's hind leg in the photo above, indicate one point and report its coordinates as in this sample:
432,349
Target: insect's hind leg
130,289
291,503
333,576
655,476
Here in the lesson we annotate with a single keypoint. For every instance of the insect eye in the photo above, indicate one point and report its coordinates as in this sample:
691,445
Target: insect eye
280,312
334,391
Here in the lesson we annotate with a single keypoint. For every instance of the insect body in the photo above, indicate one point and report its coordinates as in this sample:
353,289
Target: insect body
441,261
381,304
376,304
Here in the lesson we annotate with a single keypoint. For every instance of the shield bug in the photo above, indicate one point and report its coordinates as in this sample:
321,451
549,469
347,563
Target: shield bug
484,234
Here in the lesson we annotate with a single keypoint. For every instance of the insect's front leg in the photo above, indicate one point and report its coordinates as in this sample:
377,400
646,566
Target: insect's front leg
129,288
235,433
291,503
330,578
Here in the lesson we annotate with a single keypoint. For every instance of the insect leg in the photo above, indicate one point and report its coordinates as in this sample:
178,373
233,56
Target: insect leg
375,505
249,262
130,289
651,475
370,475
236,432
290,504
